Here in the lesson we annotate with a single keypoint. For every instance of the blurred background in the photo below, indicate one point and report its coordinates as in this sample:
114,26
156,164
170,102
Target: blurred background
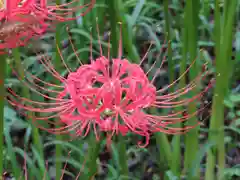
207,31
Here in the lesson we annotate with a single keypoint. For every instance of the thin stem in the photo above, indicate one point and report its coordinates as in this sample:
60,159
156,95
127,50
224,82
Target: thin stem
191,138
176,155
82,42
93,144
117,14
123,161
91,160
161,138
115,8
2,93
57,64
114,32
164,148
223,40
168,36
25,93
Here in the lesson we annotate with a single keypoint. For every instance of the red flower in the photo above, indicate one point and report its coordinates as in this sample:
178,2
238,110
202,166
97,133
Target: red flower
61,11
22,20
43,8
112,95
19,23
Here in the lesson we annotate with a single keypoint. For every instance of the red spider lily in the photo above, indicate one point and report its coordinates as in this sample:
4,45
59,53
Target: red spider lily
43,8
112,95
61,11
23,19
19,23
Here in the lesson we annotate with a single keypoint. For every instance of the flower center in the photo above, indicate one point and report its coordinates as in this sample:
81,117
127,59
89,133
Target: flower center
95,91
1,4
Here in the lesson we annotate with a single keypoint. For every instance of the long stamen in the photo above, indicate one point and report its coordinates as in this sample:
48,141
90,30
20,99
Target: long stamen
120,42
62,59
73,48
180,77
99,42
145,55
65,165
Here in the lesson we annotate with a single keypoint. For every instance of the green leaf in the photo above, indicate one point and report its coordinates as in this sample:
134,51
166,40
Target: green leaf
64,145
235,98
235,129
228,103
230,172
12,120
202,151
11,153
31,168
238,113
137,11
171,176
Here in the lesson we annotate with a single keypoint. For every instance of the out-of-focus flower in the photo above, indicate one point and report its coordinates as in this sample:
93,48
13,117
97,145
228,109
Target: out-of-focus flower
19,23
47,9
112,95
63,11
22,20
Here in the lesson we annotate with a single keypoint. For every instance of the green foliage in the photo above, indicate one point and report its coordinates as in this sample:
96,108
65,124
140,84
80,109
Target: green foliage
230,173
183,31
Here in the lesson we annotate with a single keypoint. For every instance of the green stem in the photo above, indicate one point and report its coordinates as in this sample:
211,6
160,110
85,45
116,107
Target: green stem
123,160
164,149
58,137
2,95
91,160
168,35
114,33
83,41
117,14
115,8
25,93
223,40
57,64
176,154
191,138
161,138
206,13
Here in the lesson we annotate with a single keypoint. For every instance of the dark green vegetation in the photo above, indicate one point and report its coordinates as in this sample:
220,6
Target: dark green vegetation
208,30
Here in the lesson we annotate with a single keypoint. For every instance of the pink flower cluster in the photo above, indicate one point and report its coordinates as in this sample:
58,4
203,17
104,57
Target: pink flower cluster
115,96
12,8
19,24
22,20
110,95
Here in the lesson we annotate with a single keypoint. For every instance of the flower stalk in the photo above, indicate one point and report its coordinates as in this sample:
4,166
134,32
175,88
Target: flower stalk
161,138
25,93
123,158
191,138
115,8
92,155
223,48
57,64
2,94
